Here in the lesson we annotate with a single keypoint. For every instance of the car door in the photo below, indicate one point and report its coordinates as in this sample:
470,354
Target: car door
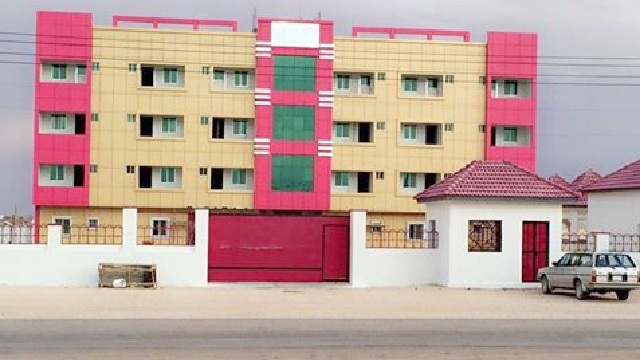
554,272
566,270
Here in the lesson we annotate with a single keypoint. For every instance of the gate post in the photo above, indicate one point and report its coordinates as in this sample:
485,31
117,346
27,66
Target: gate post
129,228
358,244
602,242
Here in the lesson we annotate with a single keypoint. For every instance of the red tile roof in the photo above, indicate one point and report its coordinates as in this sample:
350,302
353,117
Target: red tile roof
627,178
559,180
496,179
585,179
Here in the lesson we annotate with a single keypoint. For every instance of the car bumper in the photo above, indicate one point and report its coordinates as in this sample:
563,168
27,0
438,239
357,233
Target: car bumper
613,286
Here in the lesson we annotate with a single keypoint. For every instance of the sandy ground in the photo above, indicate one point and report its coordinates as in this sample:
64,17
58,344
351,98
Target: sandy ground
305,302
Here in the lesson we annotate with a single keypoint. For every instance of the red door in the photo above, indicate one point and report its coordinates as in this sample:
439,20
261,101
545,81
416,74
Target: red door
335,255
535,248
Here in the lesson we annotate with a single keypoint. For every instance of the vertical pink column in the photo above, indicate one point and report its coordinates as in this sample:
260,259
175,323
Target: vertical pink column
66,38
512,56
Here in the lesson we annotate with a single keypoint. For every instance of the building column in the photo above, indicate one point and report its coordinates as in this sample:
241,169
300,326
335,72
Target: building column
602,242
54,236
358,244
129,227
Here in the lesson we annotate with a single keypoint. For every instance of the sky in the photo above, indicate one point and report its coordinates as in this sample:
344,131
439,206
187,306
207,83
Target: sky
579,126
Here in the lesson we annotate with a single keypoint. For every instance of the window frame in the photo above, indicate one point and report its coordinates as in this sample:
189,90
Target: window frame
339,130
410,233
169,129
239,177
55,72
410,80
511,86
162,232
97,221
242,124
413,132
306,176
341,81
477,235
241,79
56,172
170,75
167,175
513,137
54,119
409,180
54,220
339,177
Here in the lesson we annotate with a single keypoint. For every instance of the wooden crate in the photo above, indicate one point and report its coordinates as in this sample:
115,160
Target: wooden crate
135,275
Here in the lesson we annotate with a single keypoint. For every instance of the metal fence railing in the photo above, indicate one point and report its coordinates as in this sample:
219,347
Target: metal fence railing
624,242
378,238
87,235
174,234
578,242
19,234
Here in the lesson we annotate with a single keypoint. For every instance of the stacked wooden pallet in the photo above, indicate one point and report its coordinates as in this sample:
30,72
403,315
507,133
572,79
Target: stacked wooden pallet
127,276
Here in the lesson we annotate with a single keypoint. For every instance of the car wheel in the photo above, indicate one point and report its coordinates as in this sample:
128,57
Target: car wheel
622,294
581,292
546,286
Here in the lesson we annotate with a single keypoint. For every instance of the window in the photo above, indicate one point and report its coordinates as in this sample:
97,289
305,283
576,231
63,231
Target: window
449,79
297,73
380,125
131,118
341,178
66,224
293,122
239,177
482,128
292,173
94,117
96,66
416,231
59,71
410,132
240,127
432,84
169,125
341,130
410,85
382,76
93,168
510,88
204,120
170,75
167,175
133,67
130,169
432,134
448,127
205,70
58,121
159,227
365,81
81,73
93,223
241,79
218,75
343,82
408,180
56,172
510,135
485,236
203,171
482,80
380,175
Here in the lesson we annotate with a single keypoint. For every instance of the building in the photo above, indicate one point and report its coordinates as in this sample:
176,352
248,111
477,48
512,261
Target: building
498,224
575,213
613,202
288,118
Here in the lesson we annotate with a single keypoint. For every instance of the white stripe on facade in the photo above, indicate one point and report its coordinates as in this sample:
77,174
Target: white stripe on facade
325,148
267,55
326,105
325,154
263,96
327,57
327,45
263,103
260,152
263,49
325,92
262,146
325,142
262,140
262,91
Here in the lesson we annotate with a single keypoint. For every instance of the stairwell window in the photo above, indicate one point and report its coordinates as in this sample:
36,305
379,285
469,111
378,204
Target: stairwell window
410,85
409,180
167,175
240,128
169,125
241,79
410,132
170,75
239,177
59,71
343,82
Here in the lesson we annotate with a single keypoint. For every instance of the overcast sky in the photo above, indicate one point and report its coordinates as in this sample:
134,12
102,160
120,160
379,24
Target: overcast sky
578,126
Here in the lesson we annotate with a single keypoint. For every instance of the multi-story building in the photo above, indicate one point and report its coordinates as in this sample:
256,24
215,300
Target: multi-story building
287,117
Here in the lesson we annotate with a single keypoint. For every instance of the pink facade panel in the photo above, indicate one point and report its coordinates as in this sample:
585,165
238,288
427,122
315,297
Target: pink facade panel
512,56
62,38
264,196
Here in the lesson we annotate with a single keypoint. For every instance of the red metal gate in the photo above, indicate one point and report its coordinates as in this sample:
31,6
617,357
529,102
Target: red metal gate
278,248
535,248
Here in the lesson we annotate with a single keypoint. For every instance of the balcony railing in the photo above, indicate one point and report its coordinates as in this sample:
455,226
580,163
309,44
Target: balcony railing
381,238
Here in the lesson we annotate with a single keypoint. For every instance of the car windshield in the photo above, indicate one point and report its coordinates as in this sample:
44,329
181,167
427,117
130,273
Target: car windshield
614,260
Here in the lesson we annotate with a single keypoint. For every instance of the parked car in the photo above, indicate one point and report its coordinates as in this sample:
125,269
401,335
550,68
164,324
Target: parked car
610,272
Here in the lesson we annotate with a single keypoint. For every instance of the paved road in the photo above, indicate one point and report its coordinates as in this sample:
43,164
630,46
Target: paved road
319,339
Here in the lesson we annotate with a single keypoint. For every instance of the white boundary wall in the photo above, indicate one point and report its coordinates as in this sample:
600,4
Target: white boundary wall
55,264
388,267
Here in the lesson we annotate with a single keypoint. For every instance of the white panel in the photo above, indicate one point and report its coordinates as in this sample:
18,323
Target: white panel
262,140
262,146
325,105
263,103
328,46
325,92
262,91
287,34
325,148
325,142
325,99
263,43
261,152
327,57
266,55
263,49
325,154
263,97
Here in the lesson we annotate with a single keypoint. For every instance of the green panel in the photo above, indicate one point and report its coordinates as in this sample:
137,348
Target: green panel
292,173
294,123
297,73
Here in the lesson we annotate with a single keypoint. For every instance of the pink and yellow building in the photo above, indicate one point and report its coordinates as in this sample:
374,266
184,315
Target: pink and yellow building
289,117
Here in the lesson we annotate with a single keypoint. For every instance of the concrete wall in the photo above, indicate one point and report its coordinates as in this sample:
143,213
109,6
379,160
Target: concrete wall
388,267
495,269
615,211
55,264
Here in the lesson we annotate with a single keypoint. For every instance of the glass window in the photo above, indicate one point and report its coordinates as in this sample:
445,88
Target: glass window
59,71
81,71
410,85
56,172
294,123
240,127
170,75
485,236
133,67
59,121
343,82
93,223
169,125
167,175
341,178
432,83
241,79
296,73
292,173
365,81
510,135
66,225
159,227
510,87
96,66
409,180
239,177
341,130
410,132
218,75
416,231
